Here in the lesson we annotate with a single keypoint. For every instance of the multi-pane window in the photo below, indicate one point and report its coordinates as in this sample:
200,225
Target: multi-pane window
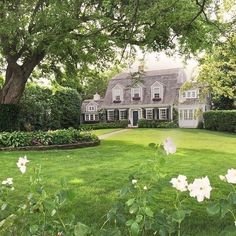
136,92
110,115
117,94
149,114
156,92
190,94
186,114
91,117
122,114
92,108
96,117
86,117
163,113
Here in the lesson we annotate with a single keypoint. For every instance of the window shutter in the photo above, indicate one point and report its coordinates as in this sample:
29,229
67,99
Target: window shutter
157,114
116,114
144,113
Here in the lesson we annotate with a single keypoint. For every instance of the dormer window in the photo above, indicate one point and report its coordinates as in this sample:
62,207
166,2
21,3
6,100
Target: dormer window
117,94
157,91
136,93
91,107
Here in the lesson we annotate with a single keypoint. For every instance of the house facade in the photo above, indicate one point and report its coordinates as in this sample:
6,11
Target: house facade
156,95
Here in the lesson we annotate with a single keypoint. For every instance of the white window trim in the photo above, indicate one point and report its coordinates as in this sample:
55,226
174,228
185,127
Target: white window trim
89,115
108,118
149,109
140,92
160,109
92,104
157,84
187,112
120,113
186,92
114,93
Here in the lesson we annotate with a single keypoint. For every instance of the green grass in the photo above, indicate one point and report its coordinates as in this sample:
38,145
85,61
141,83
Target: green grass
97,173
103,131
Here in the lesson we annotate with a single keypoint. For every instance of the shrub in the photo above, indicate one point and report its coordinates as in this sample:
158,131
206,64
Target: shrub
103,125
143,123
22,139
222,120
9,116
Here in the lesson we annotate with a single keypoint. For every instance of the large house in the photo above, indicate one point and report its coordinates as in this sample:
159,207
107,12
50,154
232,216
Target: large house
156,95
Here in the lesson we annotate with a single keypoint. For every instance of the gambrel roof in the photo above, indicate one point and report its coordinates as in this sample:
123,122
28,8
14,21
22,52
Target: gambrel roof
171,79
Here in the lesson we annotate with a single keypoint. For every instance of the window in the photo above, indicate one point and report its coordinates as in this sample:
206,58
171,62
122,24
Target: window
186,114
92,108
91,117
122,114
110,115
117,93
163,113
190,94
156,92
136,93
149,114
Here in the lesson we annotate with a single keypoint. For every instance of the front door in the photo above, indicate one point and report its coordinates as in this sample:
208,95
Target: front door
135,118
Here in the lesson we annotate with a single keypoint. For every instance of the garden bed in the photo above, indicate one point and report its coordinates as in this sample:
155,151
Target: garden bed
51,147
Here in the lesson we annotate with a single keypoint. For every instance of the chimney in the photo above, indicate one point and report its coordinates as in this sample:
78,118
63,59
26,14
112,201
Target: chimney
141,68
96,97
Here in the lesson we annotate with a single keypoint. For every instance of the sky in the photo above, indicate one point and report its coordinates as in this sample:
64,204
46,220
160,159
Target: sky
155,61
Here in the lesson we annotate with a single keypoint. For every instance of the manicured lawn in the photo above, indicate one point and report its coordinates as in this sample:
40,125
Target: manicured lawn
103,131
97,173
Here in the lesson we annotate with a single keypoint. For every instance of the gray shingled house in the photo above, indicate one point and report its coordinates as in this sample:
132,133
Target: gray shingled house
154,96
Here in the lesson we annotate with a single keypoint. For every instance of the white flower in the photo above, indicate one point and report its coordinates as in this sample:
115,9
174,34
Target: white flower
231,176
21,164
8,182
200,188
235,223
134,181
222,177
180,183
145,187
169,146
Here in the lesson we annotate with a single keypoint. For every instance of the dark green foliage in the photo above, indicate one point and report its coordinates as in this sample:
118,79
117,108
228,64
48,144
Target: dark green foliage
143,123
222,120
40,109
8,117
103,125
38,138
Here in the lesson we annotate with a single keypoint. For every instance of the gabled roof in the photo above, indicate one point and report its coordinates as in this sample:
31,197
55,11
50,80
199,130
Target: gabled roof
171,79
85,103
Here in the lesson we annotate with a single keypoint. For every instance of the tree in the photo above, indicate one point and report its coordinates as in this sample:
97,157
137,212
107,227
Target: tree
82,34
218,71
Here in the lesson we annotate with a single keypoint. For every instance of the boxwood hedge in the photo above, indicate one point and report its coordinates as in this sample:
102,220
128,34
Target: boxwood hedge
221,120
143,123
40,138
103,125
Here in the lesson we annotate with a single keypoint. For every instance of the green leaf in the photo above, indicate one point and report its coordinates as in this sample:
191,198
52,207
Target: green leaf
225,207
129,222
139,218
232,198
134,228
34,229
133,209
53,212
81,230
130,202
213,209
148,212
179,216
4,206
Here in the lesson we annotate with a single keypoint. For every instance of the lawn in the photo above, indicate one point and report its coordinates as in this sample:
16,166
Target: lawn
97,173
103,131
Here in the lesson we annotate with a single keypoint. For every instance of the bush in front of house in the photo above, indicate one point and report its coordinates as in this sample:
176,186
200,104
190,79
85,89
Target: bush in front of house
40,138
222,120
103,125
143,123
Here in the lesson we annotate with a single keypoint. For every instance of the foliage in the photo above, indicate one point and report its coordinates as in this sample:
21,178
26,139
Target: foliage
9,117
143,123
105,125
220,120
63,34
44,109
22,139
217,70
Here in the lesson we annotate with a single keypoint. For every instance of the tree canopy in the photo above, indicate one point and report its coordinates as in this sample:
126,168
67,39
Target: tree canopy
78,35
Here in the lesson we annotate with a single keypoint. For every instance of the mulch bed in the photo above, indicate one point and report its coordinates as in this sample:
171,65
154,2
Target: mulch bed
51,147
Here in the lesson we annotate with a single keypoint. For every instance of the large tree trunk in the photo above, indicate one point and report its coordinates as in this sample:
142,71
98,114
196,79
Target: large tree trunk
12,89
16,78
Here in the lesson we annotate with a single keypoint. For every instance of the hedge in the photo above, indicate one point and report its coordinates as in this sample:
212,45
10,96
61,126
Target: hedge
40,138
9,117
221,120
143,123
103,125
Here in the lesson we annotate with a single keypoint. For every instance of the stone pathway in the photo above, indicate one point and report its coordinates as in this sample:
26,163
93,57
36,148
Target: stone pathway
104,136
